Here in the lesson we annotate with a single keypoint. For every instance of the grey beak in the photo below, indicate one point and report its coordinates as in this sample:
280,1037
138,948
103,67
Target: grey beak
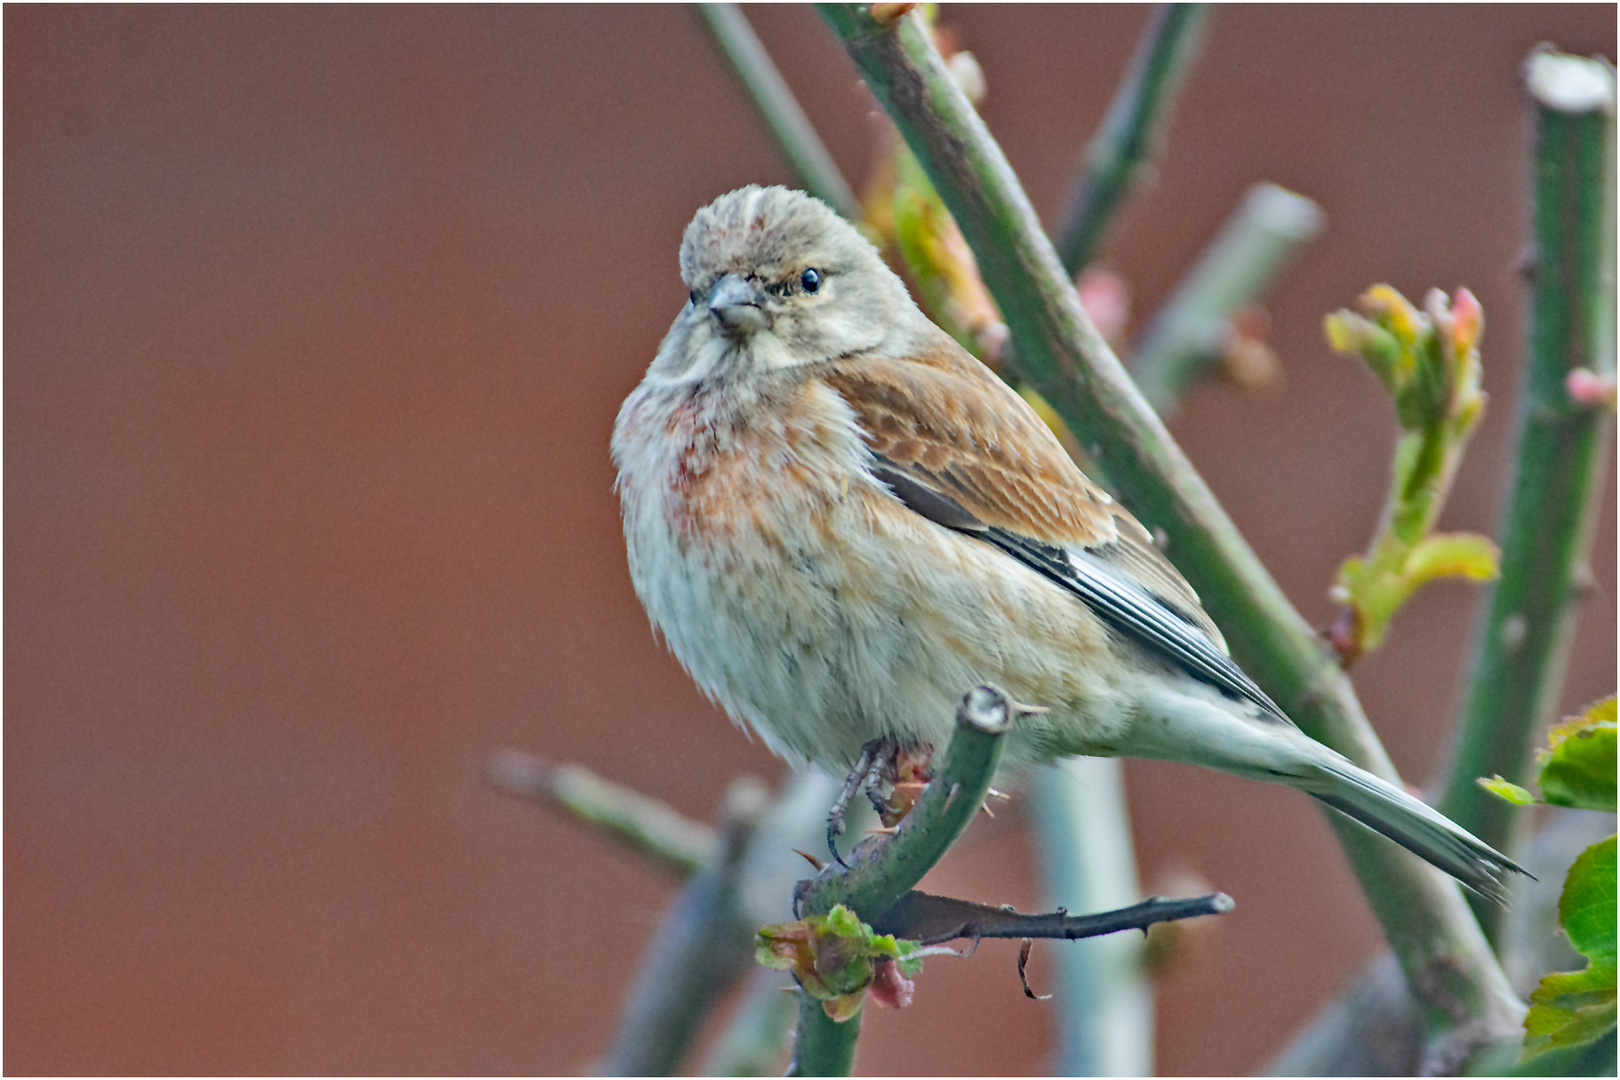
735,305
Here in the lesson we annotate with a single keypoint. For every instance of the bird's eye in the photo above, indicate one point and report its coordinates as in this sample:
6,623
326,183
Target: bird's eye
811,280
692,296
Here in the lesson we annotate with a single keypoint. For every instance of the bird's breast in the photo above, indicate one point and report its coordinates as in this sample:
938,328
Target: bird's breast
724,475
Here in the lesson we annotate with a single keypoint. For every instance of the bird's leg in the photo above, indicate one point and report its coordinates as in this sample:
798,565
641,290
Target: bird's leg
881,772
911,772
867,773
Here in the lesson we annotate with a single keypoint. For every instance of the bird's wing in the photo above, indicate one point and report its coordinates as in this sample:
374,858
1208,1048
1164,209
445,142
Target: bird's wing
957,445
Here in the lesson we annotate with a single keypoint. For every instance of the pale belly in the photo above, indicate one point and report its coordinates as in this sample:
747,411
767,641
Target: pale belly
815,607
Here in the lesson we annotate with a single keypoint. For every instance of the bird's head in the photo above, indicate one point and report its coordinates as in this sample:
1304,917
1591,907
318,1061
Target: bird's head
778,280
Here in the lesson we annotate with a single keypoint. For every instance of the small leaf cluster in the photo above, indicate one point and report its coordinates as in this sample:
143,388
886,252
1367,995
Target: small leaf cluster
1429,362
837,959
1572,1008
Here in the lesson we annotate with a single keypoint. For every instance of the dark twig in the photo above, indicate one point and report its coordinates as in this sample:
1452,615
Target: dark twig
1132,131
653,828
1059,351
937,919
1522,648
795,136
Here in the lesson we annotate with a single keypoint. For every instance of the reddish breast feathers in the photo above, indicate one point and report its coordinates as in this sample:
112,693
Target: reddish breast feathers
763,473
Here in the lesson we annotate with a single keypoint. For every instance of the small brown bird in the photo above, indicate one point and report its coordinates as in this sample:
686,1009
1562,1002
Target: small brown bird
839,521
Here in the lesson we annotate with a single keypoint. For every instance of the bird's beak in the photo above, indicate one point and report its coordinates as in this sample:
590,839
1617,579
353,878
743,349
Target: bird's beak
735,304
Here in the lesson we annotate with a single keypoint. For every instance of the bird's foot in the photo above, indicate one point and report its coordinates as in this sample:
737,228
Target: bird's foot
867,774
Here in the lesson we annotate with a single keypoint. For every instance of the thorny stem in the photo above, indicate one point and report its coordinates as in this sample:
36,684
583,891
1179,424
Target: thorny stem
1522,646
1132,131
1451,969
883,869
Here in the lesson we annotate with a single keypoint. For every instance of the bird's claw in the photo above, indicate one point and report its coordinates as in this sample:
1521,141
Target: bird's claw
867,774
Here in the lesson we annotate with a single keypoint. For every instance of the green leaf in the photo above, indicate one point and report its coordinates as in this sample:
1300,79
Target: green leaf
1508,790
1571,1008
1586,910
1451,555
1579,768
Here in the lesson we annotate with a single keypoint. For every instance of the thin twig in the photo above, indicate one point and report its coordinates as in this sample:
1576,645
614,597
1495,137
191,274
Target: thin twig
934,920
655,829
1132,131
1522,648
1190,332
795,136
1423,914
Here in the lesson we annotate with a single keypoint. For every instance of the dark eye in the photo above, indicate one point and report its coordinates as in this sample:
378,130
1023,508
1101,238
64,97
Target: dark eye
693,297
810,280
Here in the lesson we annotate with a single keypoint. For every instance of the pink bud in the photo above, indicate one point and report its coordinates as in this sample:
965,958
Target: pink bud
889,987
1468,320
1589,389
1106,299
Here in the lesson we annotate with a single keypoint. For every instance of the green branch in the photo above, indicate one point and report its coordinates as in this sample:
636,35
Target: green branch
1060,353
795,137
1270,226
1133,129
1522,647
642,824
883,869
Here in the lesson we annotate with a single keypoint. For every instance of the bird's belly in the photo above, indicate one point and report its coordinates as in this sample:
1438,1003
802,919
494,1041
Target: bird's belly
825,614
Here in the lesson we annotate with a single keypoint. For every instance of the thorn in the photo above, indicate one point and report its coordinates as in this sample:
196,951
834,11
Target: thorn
880,831
1002,795
809,858
985,806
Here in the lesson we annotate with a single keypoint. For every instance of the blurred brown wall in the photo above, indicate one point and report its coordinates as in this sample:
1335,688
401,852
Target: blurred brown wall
316,322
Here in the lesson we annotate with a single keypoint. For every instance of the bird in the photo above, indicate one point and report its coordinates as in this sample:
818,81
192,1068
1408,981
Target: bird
838,520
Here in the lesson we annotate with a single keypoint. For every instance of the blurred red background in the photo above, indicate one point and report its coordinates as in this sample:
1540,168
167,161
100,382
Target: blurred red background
316,323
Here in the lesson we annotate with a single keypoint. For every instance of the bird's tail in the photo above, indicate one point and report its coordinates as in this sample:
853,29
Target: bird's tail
1419,828
1222,735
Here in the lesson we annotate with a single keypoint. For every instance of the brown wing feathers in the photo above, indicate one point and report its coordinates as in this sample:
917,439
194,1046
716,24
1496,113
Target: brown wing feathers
989,453
957,446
